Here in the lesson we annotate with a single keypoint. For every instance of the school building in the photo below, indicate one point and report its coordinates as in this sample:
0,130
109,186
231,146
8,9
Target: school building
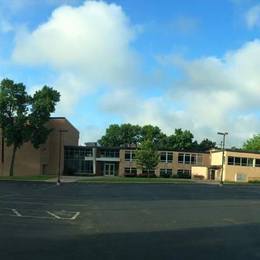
62,153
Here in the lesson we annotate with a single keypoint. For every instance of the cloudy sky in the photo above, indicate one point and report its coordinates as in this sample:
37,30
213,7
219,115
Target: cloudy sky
192,64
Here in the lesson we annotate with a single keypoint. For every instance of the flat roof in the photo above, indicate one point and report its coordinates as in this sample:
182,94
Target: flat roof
236,151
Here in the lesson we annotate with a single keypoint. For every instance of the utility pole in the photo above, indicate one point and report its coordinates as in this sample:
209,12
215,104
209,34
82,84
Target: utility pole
60,148
223,155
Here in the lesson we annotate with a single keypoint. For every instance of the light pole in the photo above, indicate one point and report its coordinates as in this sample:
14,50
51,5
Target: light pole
223,155
59,172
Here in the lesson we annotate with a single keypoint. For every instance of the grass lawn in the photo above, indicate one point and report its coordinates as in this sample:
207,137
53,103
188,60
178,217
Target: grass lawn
116,179
26,178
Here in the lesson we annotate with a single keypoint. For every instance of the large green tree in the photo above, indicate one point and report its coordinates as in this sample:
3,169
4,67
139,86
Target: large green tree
181,140
23,117
147,156
154,134
206,145
121,135
252,144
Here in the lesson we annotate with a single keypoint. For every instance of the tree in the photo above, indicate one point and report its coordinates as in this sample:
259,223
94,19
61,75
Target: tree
23,117
252,144
206,145
147,156
154,134
181,140
121,135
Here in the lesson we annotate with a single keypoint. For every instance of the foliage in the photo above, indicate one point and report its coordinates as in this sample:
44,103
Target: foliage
123,135
23,117
181,140
131,135
206,145
252,144
147,156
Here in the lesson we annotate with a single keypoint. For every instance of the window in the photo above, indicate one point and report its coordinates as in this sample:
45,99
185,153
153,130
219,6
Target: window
170,157
230,160
144,171
130,171
244,161
187,158
109,153
165,172
163,157
184,174
257,162
250,162
237,161
241,161
193,159
129,156
166,157
180,157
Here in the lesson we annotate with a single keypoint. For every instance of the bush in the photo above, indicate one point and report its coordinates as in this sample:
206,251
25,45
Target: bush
165,175
184,175
151,175
130,174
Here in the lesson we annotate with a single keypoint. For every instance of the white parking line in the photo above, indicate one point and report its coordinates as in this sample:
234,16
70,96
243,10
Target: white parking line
52,214
75,216
16,213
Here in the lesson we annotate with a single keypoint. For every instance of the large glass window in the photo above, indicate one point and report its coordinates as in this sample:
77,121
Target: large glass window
237,161
250,162
180,157
166,157
231,160
163,157
129,155
240,161
257,162
183,173
109,153
244,161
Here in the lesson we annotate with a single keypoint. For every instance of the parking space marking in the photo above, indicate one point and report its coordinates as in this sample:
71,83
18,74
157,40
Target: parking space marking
40,214
16,213
54,215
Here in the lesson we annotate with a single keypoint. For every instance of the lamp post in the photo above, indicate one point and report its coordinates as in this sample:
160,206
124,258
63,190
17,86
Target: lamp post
223,155
59,172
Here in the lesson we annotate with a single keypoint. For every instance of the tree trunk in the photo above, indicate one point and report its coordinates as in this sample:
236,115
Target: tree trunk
11,173
148,173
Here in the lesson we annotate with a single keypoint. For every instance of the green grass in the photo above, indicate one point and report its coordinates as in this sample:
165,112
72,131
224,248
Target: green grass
116,179
26,178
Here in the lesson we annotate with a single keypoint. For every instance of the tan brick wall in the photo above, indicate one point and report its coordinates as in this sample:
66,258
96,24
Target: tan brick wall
29,161
162,165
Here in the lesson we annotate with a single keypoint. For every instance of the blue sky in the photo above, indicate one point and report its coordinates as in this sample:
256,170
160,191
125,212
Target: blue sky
189,64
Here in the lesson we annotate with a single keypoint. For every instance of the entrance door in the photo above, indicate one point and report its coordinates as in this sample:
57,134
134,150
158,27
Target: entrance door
212,174
109,169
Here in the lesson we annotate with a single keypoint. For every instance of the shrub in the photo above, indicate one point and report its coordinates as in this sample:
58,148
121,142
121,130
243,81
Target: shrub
165,175
183,175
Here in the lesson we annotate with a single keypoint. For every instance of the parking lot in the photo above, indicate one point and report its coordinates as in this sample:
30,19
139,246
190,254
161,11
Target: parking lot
128,221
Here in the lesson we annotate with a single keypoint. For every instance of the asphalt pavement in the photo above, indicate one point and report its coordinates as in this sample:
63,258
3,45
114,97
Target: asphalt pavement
128,221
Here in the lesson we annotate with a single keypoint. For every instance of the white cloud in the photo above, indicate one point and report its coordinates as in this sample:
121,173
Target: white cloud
88,46
215,94
253,16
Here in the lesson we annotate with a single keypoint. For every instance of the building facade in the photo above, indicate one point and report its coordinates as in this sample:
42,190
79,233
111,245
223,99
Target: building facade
61,153
48,159
238,166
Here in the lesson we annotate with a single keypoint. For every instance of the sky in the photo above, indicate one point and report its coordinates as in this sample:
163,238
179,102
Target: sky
191,64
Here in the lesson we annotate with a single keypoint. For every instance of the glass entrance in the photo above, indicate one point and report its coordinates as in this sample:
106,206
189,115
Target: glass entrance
109,169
